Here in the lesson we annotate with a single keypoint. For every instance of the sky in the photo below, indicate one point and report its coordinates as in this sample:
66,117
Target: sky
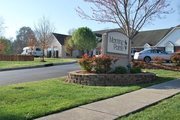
62,14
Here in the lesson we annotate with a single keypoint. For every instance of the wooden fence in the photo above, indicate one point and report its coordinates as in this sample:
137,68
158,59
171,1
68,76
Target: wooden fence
16,57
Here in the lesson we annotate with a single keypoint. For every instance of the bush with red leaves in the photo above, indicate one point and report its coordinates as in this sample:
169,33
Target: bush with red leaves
158,60
102,64
97,64
176,59
86,63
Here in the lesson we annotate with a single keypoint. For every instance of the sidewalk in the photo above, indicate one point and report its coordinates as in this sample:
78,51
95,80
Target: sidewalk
115,107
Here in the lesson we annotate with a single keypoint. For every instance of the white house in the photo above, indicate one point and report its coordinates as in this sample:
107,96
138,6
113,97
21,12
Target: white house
166,39
171,41
57,47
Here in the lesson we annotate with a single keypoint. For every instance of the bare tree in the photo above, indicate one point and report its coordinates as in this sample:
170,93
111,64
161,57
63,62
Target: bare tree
32,41
1,26
179,10
129,15
43,31
2,45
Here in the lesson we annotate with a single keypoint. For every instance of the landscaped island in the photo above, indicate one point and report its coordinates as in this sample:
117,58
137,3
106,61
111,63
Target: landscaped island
98,71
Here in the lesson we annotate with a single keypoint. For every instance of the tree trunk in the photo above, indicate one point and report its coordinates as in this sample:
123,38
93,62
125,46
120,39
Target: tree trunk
42,60
129,55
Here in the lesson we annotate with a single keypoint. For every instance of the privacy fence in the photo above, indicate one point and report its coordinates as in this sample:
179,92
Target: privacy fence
16,57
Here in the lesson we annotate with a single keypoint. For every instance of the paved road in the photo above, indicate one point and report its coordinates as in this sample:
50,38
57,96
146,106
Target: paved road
35,74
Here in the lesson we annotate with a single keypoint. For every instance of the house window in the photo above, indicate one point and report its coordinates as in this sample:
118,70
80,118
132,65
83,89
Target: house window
169,48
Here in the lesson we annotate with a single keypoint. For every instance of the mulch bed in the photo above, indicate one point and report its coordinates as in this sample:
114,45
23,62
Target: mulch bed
155,66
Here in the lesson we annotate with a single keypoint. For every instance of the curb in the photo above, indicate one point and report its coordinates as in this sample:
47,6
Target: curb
37,66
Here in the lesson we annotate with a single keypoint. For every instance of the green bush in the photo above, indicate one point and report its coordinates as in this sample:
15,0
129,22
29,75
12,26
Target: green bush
135,70
120,70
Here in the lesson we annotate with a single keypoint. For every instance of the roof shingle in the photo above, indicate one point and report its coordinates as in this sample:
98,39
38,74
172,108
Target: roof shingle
151,37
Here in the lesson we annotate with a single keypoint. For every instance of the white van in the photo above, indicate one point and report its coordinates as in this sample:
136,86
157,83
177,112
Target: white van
35,51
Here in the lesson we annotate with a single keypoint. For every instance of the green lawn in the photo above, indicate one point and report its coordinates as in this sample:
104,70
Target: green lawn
166,110
14,64
35,99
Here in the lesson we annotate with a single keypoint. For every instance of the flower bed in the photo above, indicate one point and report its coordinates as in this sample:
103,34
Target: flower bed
92,79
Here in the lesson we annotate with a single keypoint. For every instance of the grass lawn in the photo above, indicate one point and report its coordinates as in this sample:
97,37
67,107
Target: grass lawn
166,110
35,99
14,64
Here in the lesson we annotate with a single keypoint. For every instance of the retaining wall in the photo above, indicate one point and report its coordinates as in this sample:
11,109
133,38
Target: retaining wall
109,79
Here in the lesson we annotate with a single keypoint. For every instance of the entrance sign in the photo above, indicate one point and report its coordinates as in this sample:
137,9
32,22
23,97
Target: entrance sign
117,43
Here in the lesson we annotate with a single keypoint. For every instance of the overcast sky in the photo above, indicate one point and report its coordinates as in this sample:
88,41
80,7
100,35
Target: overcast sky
18,13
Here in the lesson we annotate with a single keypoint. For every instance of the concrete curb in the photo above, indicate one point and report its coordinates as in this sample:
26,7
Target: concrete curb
38,66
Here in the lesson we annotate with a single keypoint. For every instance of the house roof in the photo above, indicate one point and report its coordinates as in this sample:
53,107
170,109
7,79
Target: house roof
152,37
60,37
100,32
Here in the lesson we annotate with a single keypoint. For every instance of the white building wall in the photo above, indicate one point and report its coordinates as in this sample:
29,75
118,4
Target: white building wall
169,47
173,37
55,44
147,46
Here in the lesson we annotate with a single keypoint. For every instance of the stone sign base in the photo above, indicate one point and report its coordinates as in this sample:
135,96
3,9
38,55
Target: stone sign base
121,60
109,79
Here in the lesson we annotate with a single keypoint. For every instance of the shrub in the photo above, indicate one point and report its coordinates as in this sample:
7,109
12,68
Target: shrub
158,60
176,58
135,70
86,63
139,64
120,70
102,64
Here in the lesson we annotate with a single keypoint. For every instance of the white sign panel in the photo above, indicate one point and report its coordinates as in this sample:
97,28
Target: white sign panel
117,43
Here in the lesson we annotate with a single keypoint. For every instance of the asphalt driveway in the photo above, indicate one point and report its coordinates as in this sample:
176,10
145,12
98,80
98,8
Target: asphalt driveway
35,74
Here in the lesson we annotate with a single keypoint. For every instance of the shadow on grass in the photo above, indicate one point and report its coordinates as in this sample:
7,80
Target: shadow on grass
5,115
157,81
143,85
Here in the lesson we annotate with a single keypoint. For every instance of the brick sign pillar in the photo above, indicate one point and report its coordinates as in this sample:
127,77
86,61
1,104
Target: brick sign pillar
115,44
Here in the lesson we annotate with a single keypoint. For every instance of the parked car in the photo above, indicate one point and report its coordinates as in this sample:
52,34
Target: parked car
37,52
149,54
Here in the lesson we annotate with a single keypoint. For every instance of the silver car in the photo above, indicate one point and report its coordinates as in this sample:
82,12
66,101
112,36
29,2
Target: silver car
149,54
